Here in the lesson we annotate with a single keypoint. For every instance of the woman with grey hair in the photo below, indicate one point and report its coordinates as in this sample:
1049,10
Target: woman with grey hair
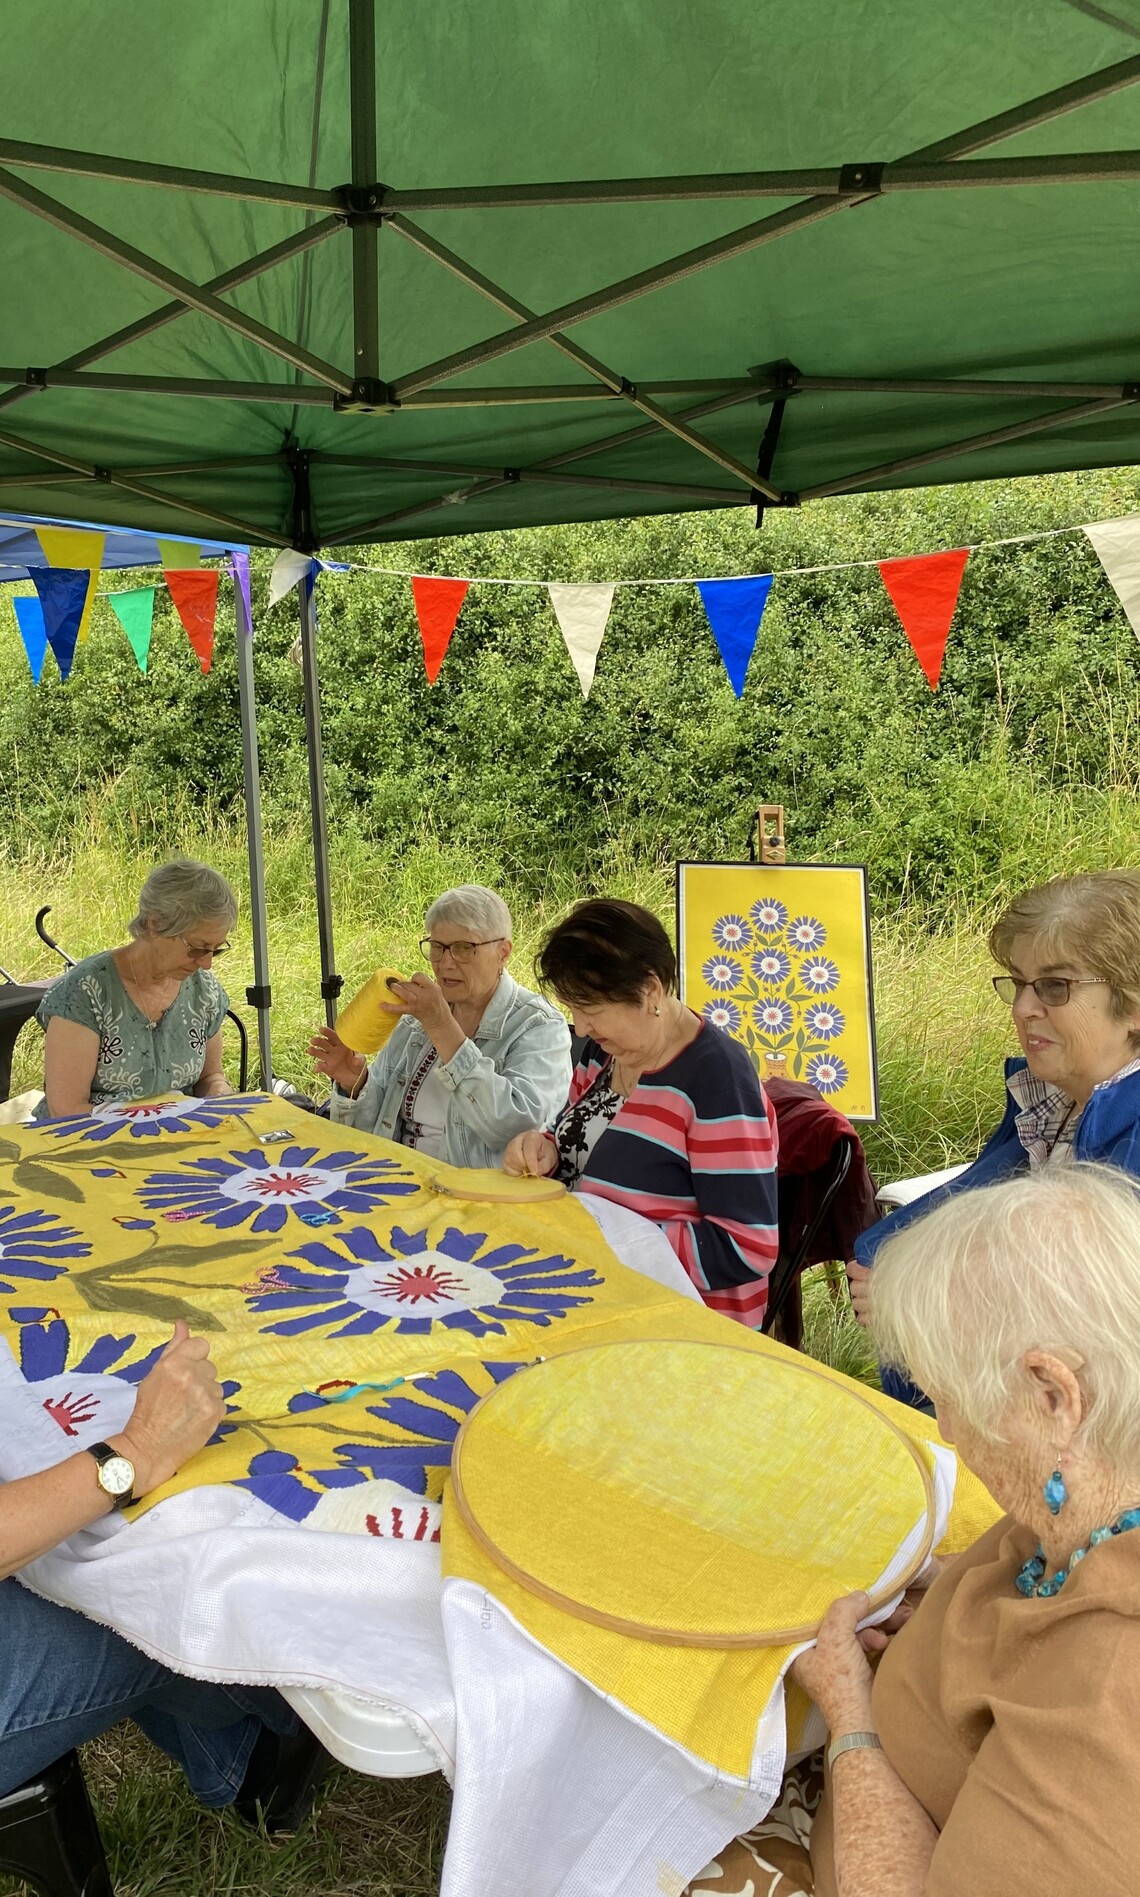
994,1749
146,1018
475,1059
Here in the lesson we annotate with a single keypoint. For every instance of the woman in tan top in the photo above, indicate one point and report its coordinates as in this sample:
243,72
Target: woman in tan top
994,1750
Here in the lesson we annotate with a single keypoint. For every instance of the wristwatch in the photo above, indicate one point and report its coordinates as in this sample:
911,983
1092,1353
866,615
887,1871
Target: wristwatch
115,1475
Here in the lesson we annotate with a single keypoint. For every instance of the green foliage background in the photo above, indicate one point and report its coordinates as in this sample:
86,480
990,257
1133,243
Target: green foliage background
1030,744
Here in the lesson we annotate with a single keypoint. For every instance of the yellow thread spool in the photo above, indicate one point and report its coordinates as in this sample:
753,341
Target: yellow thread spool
363,1025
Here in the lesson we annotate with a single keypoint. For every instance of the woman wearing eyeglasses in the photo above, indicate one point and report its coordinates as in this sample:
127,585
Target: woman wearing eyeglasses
1071,949
475,1059
145,1018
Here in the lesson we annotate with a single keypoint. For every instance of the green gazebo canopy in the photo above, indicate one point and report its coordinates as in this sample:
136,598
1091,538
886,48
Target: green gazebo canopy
323,271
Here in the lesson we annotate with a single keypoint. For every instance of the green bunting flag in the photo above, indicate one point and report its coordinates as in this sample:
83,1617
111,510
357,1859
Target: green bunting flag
135,614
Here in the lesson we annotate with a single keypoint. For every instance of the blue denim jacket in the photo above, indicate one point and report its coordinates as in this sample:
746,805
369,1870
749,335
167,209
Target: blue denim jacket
513,1076
1108,1130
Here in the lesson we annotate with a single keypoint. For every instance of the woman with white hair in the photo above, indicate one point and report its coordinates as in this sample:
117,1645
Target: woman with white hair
145,1018
476,1058
994,1749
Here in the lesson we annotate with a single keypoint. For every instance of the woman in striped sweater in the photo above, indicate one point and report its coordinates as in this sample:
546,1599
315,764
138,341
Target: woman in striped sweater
666,1114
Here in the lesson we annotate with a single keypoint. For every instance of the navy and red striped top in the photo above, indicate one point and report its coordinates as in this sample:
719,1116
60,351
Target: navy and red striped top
693,1148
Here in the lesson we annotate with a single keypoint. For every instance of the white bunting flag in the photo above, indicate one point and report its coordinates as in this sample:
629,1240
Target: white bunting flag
582,612
1117,544
289,567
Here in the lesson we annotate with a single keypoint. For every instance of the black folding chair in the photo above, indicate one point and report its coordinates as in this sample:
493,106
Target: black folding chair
49,1837
784,1315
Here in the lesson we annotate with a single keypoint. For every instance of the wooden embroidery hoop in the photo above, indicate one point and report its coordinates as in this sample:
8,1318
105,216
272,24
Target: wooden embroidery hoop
676,1636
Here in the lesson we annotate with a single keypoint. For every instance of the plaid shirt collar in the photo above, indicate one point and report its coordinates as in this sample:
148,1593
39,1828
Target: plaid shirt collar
1048,1118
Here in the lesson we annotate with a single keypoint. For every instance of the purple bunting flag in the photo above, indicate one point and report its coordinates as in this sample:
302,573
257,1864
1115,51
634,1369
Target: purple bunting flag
63,596
30,619
735,609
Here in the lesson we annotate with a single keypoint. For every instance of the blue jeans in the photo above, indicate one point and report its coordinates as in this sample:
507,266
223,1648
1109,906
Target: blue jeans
63,1679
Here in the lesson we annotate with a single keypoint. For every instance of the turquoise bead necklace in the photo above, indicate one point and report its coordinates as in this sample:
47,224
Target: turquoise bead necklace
1029,1581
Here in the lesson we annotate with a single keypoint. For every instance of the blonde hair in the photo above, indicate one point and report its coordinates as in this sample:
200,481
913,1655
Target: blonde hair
180,893
1047,1261
1089,922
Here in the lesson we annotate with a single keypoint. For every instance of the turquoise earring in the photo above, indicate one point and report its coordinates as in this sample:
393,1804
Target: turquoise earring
1055,1492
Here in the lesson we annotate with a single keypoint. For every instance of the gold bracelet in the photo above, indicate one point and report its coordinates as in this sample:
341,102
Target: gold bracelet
853,1742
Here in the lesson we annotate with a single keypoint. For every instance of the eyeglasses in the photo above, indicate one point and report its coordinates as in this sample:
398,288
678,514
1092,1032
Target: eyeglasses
201,954
433,951
1053,990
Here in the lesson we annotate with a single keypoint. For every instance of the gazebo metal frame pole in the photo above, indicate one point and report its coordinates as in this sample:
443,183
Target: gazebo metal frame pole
331,982
259,996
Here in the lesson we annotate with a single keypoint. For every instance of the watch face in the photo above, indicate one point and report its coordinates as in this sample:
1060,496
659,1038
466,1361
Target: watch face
117,1475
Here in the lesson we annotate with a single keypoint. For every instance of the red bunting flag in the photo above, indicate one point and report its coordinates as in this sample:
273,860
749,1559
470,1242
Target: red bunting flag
195,595
925,592
437,609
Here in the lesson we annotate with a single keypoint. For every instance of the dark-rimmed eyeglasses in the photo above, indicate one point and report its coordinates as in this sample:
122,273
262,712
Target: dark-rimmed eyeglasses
1052,990
203,954
433,951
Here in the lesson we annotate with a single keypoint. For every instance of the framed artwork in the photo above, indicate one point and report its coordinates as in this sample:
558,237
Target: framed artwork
779,956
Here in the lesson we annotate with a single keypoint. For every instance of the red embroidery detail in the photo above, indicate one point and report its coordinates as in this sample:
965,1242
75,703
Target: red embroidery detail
420,1284
71,1411
286,1185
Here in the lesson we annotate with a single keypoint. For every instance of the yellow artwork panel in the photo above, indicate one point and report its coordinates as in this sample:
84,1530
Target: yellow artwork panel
780,958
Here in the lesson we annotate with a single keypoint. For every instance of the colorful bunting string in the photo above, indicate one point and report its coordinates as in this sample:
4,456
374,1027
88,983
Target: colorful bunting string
135,614
75,547
437,609
195,596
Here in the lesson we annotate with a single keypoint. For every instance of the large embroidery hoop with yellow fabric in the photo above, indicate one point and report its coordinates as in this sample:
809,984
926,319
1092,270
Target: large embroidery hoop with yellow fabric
773,1490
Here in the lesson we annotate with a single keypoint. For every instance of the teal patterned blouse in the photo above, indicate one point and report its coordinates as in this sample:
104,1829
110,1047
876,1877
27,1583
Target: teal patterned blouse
137,1058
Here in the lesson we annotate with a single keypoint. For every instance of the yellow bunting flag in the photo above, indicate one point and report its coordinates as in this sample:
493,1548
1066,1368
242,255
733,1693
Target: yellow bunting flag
180,554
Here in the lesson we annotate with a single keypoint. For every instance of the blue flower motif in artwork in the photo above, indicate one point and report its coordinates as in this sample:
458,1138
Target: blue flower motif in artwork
773,1016
768,916
36,1245
732,932
827,1072
771,966
351,1285
806,932
146,1119
823,1022
720,971
820,975
43,1348
276,1477
298,1181
722,1014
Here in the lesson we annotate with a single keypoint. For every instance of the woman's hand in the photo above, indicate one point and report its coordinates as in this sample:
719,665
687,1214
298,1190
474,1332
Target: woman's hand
835,1672
424,998
859,1283
178,1407
330,1056
531,1154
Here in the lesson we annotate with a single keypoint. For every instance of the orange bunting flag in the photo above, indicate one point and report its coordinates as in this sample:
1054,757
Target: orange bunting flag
437,609
195,595
924,592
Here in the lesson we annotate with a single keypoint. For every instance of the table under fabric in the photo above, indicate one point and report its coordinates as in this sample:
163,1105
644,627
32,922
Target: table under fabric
357,1307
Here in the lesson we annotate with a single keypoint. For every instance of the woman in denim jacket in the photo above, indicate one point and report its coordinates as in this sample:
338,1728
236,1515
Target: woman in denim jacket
475,1059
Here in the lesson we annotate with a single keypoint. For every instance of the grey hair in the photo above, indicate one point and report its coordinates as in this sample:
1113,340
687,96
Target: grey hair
1047,1261
471,907
180,893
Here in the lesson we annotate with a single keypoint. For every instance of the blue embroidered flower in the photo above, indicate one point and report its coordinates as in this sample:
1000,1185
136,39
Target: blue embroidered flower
806,932
353,1285
146,1119
36,1245
722,972
820,975
823,1022
771,966
768,916
827,1072
298,1181
43,1349
722,1014
773,1017
732,932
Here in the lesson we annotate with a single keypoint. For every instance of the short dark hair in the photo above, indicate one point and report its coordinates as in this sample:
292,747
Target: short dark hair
606,951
